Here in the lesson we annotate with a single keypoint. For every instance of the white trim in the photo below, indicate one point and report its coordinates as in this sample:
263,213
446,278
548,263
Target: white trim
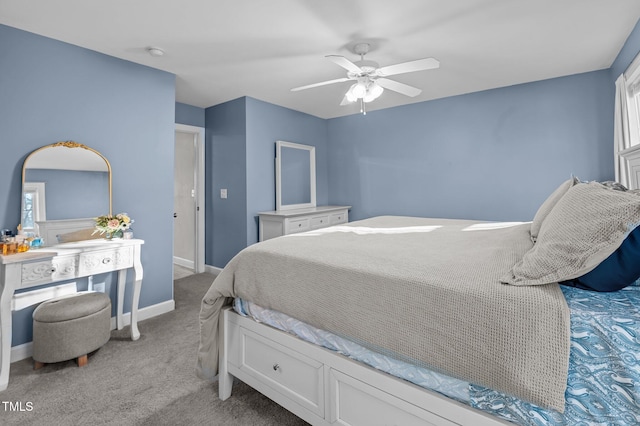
212,269
312,175
24,351
146,313
199,134
186,263
633,70
20,352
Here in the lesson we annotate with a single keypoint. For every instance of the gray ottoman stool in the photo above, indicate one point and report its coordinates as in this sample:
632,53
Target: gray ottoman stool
70,327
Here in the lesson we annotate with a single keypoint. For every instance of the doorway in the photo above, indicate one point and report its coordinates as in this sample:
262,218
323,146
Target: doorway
188,201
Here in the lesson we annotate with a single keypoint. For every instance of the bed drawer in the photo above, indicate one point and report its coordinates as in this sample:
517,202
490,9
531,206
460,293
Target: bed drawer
298,225
356,403
290,373
57,269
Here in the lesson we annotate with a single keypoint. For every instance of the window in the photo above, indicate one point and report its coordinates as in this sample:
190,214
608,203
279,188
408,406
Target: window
33,206
632,83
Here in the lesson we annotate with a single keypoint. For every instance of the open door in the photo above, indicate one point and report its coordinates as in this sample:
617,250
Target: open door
188,229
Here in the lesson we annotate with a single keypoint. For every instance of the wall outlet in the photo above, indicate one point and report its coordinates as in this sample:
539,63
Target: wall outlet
99,287
223,193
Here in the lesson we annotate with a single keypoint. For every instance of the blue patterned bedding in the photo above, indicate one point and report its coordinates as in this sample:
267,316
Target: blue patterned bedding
603,387
604,366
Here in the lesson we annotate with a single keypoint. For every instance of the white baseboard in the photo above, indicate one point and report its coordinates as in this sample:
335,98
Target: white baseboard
212,269
21,352
25,350
184,262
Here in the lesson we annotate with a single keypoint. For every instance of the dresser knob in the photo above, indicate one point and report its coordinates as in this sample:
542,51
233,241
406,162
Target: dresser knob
276,367
106,260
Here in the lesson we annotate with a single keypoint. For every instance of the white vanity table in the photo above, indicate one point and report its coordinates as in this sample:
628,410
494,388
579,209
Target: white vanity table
66,262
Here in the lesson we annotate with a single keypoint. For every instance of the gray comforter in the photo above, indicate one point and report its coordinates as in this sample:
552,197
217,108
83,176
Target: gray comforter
426,291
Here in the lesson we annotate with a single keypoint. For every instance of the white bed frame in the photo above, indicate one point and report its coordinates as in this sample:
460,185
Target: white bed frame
325,388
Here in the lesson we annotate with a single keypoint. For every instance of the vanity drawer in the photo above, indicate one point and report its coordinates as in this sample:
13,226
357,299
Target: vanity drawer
56,269
298,225
319,222
290,373
105,260
337,218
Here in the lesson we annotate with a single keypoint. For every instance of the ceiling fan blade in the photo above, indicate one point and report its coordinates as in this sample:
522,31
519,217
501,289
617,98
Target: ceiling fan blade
323,83
405,67
399,87
345,101
344,63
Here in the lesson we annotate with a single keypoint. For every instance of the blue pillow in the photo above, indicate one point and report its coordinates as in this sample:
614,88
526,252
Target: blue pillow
617,271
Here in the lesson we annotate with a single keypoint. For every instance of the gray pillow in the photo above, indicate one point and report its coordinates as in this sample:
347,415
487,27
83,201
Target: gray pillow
547,206
586,225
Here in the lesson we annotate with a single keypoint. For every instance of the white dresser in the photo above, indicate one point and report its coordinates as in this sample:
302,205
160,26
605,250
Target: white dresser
63,262
277,223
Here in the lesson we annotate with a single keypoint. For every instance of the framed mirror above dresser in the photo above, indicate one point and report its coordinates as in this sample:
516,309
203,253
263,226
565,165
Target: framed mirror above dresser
64,186
296,209
295,176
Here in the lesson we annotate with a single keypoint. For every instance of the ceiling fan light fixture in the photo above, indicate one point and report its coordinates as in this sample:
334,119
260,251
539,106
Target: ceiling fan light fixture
359,90
349,95
373,92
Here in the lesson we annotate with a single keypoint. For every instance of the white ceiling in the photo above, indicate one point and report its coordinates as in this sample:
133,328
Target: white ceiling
221,50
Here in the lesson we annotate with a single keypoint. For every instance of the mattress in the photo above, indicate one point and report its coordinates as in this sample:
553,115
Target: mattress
604,362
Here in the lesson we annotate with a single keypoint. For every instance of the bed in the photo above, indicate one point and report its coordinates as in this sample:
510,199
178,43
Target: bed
477,304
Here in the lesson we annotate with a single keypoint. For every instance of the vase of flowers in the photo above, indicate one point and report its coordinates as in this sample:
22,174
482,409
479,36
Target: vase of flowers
112,226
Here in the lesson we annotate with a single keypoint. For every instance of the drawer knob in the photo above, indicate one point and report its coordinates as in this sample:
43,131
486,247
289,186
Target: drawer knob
299,225
53,269
106,260
276,367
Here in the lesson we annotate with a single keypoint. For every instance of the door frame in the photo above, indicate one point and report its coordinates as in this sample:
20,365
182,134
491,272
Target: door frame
198,178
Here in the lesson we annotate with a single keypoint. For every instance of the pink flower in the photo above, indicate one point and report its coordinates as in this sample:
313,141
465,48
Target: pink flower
113,224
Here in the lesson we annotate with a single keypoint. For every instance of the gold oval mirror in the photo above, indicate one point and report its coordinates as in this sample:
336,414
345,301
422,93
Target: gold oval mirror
64,180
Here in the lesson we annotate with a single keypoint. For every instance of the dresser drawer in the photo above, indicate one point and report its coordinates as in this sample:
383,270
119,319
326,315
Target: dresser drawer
319,222
298,225
105,260
337,218
288,372
55,269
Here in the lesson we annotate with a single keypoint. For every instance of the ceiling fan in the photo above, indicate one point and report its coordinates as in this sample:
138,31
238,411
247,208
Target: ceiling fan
370,79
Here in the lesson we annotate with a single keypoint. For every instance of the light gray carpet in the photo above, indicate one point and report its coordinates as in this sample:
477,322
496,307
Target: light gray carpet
151,381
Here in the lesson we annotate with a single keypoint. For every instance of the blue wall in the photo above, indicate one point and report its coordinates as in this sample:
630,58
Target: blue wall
225,167
240,151
190,115
627,53
266,124
52,91
493,155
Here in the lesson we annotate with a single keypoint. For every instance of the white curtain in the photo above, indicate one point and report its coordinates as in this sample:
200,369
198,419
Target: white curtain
621,138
